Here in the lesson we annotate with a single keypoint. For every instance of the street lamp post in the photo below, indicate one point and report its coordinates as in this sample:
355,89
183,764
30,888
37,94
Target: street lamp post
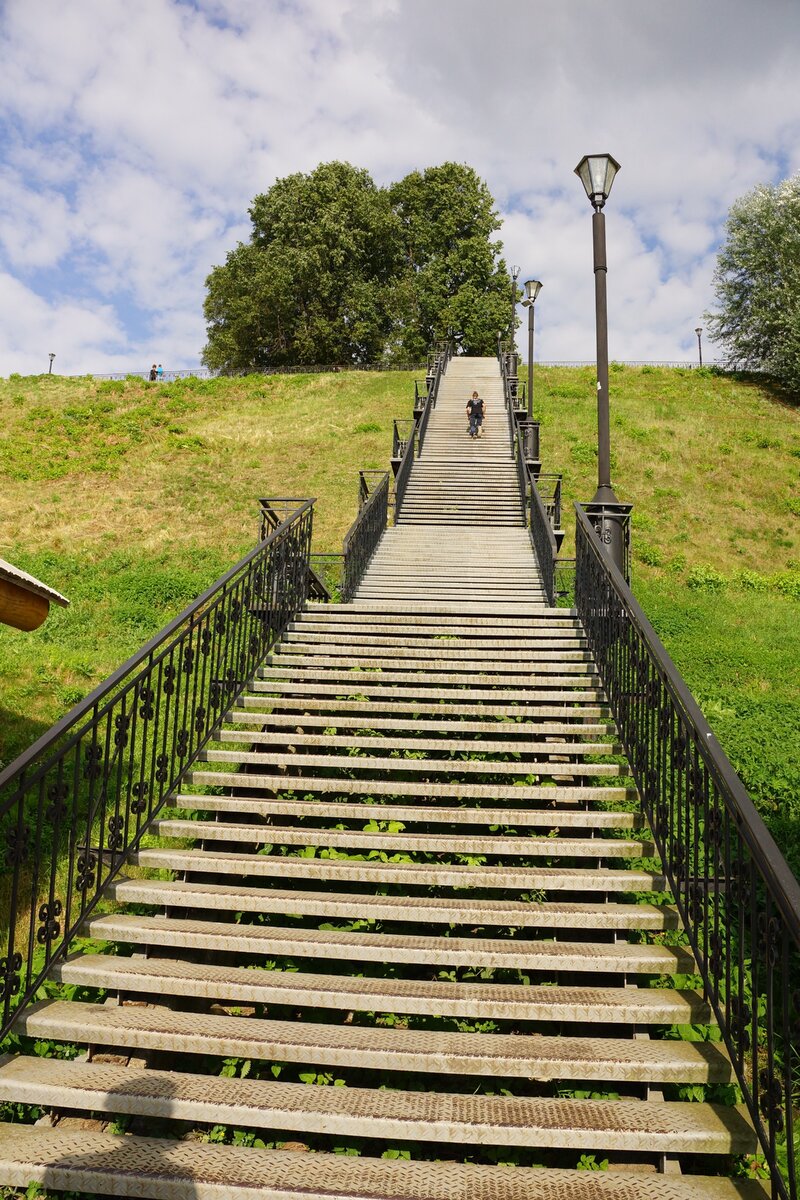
51,356
596,172
514,277
532,289
699,332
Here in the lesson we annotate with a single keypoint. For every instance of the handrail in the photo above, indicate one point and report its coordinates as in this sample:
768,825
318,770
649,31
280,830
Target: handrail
540,529
541,535
402,430
737,897
363,536
553,503
403,472
79,800
416,439
272,512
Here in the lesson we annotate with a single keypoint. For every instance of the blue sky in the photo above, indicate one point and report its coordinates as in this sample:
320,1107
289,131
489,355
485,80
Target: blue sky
134,136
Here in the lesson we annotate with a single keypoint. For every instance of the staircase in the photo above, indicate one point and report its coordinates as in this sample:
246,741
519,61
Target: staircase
403,930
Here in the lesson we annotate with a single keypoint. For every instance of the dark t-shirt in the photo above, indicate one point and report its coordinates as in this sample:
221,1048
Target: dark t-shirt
475,407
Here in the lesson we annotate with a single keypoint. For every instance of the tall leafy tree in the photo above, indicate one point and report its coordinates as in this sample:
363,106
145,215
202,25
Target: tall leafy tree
311,284
757,283
453,275
338,270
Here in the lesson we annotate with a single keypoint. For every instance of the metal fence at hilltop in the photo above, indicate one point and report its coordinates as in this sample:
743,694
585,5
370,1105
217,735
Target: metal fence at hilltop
334,368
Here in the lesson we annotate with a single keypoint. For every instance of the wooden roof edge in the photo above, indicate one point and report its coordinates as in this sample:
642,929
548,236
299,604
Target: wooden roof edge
22,579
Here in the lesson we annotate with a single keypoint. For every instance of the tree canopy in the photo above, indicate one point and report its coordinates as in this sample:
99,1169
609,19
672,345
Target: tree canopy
338,270
757,283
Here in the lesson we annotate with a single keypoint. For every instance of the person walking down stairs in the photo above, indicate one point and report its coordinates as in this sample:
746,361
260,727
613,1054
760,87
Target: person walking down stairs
476,411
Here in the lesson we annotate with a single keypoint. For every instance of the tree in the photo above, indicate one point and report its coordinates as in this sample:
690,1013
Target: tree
338,270
453,277
757,283
311,284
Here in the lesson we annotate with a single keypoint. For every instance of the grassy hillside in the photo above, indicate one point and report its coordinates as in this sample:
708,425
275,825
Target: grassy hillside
712,466
131,497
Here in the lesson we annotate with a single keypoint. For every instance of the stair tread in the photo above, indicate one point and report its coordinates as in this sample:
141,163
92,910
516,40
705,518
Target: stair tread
530,1056
479,745
385,690
369,762
373,1112
550,794
409,874
157,1167
528,817
309,702
523,844
519,953
434,997
447,722
524,914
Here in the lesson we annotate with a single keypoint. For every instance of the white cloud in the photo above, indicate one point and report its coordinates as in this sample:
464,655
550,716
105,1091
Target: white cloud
137,135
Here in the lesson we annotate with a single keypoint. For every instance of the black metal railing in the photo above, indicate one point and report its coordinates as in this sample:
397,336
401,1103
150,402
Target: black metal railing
737,897
537,520
272,513
402,430
77,803
403,473
549,486
415,440
363,536
535,512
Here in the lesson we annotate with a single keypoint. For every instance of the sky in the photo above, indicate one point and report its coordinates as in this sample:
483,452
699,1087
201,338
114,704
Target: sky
134,136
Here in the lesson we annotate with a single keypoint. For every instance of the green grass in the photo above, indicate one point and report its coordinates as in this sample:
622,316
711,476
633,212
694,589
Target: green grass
132,497
711,464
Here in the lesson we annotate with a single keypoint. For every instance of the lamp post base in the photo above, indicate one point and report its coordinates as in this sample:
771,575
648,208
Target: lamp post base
612,522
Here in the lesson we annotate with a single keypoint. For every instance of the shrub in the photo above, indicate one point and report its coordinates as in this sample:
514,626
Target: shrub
648,554
706,579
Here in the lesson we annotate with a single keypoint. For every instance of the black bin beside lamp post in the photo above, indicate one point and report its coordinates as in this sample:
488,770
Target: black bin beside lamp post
532,289
610,518
51,356
699,332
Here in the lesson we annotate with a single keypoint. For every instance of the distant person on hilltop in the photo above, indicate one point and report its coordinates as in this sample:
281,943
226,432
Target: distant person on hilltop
153,373
160,372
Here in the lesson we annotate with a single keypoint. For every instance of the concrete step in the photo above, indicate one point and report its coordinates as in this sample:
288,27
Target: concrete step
578,711
444,619
354,641
423,910
548,794
378,1113
368,871
428,815
526,845
436,656
384,690
414,766
475,1001
384,1049
166,1169
452,745
447,723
